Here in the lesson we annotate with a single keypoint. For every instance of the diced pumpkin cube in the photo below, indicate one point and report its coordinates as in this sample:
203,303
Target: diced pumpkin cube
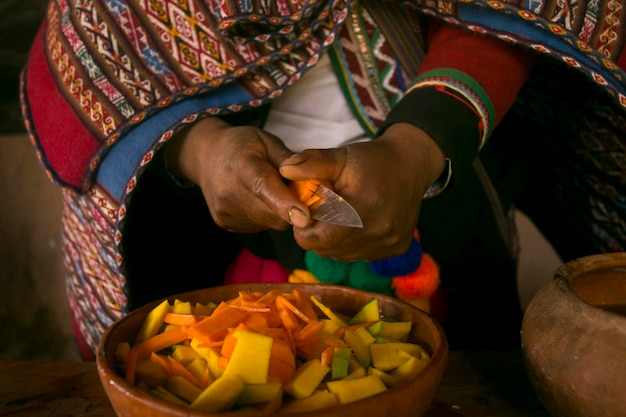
409,369
182,388
168,396
318,400
369,312
184,354
181,307
328,312
388,380
250,358
153,322
307,378
150,372
359,341
349,390
391,330
211,355
200,370
260,393
388,356
220,396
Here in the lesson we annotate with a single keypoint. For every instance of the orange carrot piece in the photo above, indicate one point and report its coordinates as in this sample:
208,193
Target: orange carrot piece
229,345
177,369
308,332
163,362
160,341
305,189
287,317
327,356
222,362
131,367
293,308
305,305
255,319
215,327
281,370
180,319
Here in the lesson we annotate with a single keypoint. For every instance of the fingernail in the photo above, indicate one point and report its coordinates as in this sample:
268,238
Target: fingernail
294,159
298,218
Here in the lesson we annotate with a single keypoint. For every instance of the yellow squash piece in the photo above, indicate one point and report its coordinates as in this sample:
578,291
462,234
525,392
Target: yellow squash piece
307,378
153,322
350,390
220,396
318,400
391,330
211,355
369,312
182,388
260,393
359,341
388,356
250,358
328,312
409,369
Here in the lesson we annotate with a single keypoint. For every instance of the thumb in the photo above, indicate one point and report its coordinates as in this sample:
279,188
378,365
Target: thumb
314,163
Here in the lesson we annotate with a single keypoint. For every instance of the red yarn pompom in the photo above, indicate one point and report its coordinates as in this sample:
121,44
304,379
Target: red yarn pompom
421,283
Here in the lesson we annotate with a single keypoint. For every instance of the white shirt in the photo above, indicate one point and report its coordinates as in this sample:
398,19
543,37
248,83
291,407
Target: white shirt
313,113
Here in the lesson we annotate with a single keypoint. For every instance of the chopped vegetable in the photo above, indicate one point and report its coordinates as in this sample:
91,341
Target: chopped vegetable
267,352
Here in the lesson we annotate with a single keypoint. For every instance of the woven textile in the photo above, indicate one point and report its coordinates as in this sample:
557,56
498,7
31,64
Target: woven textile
124,76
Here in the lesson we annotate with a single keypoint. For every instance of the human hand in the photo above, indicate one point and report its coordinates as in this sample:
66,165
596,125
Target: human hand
237,169
384,180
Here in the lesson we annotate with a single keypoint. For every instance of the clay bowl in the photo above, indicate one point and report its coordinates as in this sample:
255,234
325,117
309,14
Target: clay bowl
574,338
409,399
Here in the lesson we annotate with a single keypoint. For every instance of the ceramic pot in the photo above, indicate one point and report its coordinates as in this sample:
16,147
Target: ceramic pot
574,338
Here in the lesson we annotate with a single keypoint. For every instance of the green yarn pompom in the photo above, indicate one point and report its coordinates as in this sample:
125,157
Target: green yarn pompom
363,278
327,269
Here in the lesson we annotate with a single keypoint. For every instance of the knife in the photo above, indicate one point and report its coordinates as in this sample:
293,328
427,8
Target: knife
326,205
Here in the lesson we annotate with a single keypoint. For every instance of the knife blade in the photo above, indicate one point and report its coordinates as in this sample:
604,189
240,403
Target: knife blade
333,208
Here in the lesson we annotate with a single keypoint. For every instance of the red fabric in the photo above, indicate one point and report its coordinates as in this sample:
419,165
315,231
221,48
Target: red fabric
500,68
250,268
67,159
84,350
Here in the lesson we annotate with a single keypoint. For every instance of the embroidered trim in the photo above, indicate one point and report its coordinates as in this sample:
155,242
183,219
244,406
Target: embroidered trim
459,85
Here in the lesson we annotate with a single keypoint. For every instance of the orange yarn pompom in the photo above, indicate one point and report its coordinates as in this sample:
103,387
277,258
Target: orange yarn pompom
419,284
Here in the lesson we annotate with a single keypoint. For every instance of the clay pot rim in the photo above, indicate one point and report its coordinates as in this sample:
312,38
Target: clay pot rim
566,272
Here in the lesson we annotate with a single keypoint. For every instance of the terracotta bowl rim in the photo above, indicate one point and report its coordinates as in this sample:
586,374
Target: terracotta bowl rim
566,272
107,375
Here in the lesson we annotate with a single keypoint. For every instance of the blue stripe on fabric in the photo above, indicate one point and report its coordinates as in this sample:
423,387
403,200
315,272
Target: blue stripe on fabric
119,165
508,23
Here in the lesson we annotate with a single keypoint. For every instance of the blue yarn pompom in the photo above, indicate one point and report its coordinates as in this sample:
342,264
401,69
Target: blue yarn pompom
398,266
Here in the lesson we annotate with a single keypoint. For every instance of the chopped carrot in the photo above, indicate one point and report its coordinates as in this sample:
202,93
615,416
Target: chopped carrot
308,332
160,341
327,356
163,362
287,317
180,319
305,305
177,369
305,189
256,319
131,366
293,308
215,327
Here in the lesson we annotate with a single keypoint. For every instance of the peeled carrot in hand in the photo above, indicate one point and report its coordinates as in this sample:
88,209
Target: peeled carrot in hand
306,188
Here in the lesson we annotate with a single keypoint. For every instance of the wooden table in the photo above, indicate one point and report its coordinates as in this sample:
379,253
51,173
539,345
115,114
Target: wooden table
475,384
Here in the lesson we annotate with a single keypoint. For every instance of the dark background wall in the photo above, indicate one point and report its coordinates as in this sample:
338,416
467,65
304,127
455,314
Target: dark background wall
34,322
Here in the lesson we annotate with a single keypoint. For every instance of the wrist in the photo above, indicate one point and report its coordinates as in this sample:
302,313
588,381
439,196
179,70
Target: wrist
183,152
425,153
